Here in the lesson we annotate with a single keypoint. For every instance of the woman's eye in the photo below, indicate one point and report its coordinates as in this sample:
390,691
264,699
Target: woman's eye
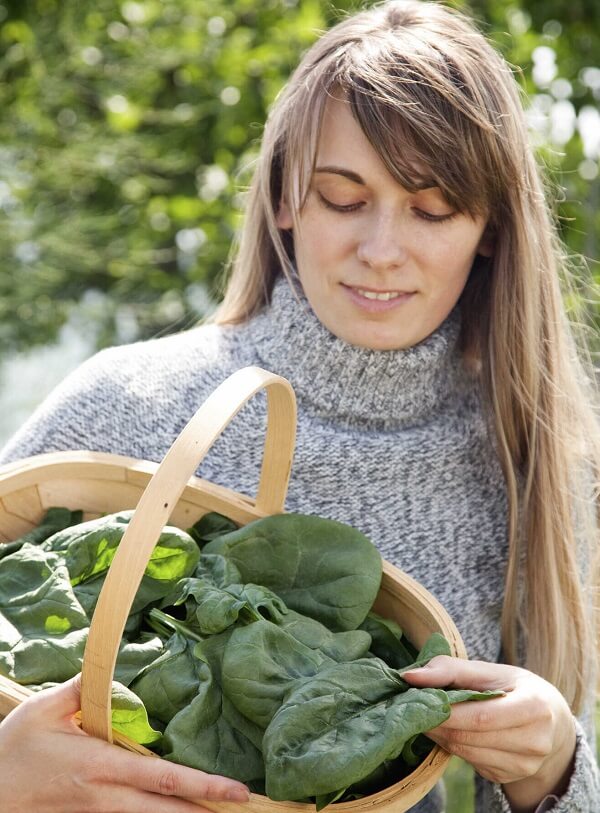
434,218
338,207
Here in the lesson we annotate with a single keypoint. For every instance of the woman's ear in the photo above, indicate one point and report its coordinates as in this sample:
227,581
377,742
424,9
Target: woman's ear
283,217
487,243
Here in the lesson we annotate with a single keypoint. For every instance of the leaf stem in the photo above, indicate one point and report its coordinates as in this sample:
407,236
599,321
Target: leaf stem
159,620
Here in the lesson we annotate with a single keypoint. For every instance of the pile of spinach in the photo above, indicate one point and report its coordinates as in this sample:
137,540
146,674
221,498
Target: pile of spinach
249,652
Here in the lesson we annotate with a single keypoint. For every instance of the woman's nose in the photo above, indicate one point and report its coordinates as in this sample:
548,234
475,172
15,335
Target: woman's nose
383,243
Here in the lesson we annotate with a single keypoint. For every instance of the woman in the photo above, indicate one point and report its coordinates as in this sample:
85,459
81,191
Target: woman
399,265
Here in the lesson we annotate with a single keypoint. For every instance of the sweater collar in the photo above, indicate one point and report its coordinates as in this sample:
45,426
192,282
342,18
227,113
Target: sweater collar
337,380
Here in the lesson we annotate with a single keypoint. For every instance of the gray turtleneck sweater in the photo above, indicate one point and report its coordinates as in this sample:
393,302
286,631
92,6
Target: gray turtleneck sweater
391,442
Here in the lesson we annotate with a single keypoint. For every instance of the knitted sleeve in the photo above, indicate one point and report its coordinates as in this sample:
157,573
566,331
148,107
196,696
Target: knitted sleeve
73,416
582,795
131,400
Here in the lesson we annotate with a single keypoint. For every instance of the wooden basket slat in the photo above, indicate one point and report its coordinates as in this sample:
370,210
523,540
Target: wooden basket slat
12,526
206,496
36,470
25,503
94,495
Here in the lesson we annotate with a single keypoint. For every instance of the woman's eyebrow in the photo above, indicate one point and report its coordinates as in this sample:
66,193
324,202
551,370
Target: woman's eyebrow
425,184
346,173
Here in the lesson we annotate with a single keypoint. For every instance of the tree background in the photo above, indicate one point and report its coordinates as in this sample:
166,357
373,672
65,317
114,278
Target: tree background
128,129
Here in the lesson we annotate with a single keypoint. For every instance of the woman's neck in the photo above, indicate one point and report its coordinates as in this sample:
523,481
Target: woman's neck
339,381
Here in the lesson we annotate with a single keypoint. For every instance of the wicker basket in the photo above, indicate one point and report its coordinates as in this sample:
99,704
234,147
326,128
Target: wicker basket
104,483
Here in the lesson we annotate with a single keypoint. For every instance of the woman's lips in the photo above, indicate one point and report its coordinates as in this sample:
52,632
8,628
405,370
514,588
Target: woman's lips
369,299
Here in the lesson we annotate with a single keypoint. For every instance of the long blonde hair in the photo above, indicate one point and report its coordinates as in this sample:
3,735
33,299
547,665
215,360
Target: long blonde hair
429,91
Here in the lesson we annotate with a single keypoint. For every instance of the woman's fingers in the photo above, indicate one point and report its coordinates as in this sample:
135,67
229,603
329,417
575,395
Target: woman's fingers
54,705
118,799
524,740
496,765
457,673
529,741
525,705
168,778
115,765
56,768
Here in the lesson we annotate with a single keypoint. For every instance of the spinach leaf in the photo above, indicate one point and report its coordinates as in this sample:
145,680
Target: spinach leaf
416,749
134,656
339,726
339,646
88,550
389,644
465,695
321,568
211,609
325,799
54,520
345,727
171,681
260,664
210,734
43,628
210,526
129,716
217,569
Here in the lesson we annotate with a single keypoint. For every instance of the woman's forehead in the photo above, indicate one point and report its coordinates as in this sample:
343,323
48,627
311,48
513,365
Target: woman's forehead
343,145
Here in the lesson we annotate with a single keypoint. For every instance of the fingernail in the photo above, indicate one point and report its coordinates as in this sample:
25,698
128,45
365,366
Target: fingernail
238,794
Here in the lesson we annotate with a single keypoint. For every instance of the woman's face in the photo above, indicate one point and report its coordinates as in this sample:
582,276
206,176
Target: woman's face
380,266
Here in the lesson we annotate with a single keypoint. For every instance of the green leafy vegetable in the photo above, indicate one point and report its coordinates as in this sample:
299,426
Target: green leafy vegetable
261,664
260,656
54,520
389,644
210,526
340,725
129,716
210,734
43,628
88,550
319,567
171,680
213,609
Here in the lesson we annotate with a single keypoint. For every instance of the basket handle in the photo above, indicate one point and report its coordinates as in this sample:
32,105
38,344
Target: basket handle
155,507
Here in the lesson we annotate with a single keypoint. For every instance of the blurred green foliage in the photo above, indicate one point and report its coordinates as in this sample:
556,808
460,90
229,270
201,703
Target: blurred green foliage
128,131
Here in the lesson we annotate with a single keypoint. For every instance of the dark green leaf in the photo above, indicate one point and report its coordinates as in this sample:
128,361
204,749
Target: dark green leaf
210,526
217,569
171,681
388,642
319,567
322,801
134,656
210,734
339,726
89,548
54,520
339,646
261,663
43,628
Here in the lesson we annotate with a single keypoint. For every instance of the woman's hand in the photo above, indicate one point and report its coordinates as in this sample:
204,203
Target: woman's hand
525,740
49,765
